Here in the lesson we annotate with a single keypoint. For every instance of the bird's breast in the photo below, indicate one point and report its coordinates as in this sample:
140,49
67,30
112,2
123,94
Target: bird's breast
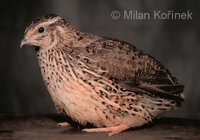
73,87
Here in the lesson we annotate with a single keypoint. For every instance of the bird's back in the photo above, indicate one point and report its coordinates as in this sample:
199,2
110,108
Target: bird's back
126,65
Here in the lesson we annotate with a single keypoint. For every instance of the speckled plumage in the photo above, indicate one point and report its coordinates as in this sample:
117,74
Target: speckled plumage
100,80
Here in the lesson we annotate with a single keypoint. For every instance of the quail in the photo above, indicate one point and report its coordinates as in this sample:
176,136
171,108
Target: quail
99,80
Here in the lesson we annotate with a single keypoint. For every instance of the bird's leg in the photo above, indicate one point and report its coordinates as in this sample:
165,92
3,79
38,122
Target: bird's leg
112,130
63,124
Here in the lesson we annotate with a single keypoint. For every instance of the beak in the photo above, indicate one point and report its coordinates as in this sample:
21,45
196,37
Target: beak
23,42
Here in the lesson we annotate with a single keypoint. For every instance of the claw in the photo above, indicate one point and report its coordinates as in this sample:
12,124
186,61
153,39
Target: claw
112,130
63,124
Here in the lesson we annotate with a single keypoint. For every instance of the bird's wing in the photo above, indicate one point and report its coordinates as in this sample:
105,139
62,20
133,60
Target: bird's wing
132,69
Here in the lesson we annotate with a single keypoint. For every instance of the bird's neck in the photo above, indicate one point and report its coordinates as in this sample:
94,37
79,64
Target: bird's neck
75,39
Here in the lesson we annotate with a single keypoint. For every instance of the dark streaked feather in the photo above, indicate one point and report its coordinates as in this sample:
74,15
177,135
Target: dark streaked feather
135,70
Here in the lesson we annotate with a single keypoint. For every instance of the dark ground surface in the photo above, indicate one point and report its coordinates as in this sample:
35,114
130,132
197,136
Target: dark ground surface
41,127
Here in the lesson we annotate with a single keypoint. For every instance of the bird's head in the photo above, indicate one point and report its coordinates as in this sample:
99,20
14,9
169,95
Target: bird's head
47,31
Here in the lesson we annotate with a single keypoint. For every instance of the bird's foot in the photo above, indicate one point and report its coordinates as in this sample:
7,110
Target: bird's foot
112,130
63,124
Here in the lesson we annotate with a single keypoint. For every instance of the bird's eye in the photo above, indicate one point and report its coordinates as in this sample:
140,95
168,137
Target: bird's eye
41,30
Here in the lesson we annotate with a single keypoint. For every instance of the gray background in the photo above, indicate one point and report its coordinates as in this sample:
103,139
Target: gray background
175,43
